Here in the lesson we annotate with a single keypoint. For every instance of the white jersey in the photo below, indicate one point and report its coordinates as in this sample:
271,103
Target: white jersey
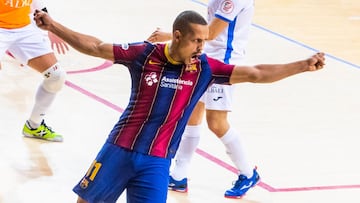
229,45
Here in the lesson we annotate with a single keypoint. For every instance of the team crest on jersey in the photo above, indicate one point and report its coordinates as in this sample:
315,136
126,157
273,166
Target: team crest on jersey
151,79
227,6
191,68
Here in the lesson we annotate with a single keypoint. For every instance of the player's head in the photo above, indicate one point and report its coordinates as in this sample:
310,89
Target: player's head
190,31
184,20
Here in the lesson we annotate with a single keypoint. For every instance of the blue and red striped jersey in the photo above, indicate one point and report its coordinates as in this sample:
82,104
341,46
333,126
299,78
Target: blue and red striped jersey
163,95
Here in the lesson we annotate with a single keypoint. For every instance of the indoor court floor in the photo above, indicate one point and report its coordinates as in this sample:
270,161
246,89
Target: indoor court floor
301,132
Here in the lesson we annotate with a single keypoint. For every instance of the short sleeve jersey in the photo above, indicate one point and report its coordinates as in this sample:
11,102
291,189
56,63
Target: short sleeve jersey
163,95
229,46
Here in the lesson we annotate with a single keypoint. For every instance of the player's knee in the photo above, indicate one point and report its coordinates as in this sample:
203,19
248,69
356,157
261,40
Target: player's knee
215,128
54,78
219,128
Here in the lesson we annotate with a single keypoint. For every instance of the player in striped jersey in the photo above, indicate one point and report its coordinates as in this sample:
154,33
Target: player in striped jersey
167,82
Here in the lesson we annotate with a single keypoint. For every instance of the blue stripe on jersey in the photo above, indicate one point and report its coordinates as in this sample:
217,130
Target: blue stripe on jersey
160,110
230,38
151,107
222,18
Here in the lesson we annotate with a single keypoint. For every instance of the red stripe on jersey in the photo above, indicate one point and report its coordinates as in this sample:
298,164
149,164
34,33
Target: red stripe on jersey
145,94
176,111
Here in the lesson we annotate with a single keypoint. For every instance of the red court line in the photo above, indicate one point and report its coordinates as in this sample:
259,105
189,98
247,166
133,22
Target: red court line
106,64
93,96
268,187
202,153
334,187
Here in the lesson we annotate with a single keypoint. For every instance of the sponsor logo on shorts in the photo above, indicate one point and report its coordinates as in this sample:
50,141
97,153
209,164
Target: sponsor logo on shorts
215,89
217,98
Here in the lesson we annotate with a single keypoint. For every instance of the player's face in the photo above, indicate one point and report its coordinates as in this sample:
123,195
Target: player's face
192,43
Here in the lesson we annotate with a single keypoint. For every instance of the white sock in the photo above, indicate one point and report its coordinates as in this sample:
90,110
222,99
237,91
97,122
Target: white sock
235,149
189,142
43,100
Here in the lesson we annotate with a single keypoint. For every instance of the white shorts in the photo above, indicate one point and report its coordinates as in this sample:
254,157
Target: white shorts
218,97
24,43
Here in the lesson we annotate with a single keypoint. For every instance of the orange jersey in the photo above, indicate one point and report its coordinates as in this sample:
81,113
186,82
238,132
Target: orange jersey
14,13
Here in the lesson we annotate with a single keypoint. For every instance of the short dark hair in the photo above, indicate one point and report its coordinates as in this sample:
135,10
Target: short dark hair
184,19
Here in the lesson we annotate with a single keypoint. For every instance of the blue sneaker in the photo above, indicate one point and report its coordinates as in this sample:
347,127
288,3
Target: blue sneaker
242,185
178,186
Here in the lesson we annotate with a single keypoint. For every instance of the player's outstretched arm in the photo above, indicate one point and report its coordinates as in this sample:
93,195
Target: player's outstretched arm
267,73
83,43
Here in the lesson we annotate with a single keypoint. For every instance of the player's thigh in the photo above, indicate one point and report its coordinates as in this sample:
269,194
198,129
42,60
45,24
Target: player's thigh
43,62
151,182
107,176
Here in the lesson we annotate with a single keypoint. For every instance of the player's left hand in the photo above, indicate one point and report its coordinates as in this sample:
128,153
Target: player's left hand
316,62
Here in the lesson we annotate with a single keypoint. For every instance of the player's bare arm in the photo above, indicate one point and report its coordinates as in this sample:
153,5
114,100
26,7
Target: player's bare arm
83,43
216,26
266,73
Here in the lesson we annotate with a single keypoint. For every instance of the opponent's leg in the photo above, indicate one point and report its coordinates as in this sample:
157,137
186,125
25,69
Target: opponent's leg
54,79
218,104
189,142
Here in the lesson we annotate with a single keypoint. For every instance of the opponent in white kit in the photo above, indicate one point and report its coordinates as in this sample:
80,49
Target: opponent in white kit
28,44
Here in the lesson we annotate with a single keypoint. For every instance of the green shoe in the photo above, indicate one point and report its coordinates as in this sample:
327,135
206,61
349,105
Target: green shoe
42,132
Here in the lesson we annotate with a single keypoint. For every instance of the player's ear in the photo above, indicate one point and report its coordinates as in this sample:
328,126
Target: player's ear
177,35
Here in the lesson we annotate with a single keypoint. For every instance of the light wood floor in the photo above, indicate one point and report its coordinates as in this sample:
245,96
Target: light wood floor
329,25
301,132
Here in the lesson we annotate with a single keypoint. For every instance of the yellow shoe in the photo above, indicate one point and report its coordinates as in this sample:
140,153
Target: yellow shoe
42,132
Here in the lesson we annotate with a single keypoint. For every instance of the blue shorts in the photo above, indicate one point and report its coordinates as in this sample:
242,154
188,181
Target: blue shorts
115,169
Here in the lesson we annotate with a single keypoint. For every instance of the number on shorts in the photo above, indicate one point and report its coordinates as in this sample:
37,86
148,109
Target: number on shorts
93,170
